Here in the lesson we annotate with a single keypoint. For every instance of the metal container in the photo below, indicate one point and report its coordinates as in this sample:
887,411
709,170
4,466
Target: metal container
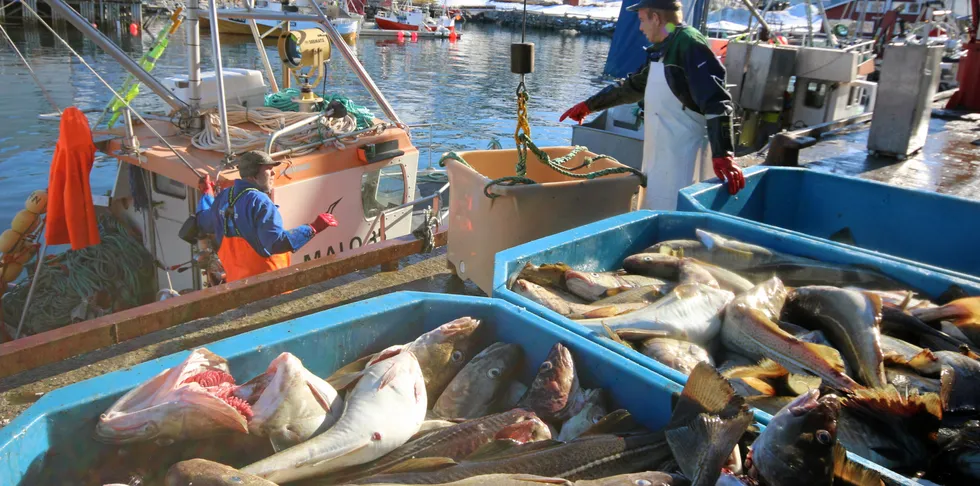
901,114
915,228
480,226
760,73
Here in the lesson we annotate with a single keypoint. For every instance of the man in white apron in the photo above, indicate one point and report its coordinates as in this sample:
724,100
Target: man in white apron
687,108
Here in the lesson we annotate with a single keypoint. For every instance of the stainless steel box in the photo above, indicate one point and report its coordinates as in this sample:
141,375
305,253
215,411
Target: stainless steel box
766,76
908,81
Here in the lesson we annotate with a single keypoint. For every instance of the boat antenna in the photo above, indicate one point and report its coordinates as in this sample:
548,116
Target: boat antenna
113,91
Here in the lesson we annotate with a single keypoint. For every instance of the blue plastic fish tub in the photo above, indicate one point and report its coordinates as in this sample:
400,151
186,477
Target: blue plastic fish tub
57,431
603,245
920,228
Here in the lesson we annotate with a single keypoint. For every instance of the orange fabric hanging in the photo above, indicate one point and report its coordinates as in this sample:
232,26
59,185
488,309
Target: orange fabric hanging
71,212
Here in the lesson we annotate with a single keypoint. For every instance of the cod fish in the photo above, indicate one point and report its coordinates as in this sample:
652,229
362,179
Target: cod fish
548,274
588,457
964,314
749,329
690,311
201,472
295,404
553,394
798,446
594,286
644,295
567,304
649,478
591,412
802,273
680,355
960,382
192,400
474,389
383,410
456,442
849,319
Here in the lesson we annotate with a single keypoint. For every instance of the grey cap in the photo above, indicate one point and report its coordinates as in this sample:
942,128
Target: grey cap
249,162
657,4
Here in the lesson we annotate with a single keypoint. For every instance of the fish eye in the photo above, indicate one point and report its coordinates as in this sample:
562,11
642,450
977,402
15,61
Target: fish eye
824,437
596,418
457,356
493,372
546,366
642,482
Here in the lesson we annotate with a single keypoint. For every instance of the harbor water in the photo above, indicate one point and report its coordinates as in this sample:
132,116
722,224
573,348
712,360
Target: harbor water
465,88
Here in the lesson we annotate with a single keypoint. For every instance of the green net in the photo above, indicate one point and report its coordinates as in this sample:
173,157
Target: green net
283,101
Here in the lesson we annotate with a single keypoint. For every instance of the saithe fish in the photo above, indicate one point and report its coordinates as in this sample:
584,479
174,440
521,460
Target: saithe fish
960,383
473,390
593,286
690,311
443,351
797,447
649,478
548,274
201,472
964,314
553,392
656,265
644,295
384,409
802,273
295,405
692,272
456,442
192,400
590,413
680,355
567,304
750,329
849,319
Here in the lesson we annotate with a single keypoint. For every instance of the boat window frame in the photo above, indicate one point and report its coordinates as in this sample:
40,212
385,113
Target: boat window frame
157,187
404,173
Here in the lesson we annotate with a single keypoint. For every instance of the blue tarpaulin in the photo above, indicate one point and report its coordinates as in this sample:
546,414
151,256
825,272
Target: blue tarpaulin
626,53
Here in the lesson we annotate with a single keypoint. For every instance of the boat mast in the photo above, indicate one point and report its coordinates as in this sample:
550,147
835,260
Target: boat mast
193,41
219,78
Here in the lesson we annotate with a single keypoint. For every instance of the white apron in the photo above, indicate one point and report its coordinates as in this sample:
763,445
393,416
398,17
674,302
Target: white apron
676,152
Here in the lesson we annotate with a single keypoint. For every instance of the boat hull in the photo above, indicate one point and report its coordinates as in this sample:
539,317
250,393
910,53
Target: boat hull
385,24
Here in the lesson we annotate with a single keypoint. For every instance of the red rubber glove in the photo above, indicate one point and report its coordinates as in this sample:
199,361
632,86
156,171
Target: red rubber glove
576,113
322,222
726,170
206,185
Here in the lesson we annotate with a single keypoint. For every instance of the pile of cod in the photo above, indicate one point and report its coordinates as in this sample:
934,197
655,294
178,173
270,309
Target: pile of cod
427,413
778,326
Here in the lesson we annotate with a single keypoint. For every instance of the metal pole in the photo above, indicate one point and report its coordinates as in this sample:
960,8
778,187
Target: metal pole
372,88
244,14
219,77
265,56
193,42
860,24
756,14
117,54
826,24
38,81
30,292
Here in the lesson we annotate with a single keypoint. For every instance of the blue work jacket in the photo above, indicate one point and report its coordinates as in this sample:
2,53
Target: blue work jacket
255,218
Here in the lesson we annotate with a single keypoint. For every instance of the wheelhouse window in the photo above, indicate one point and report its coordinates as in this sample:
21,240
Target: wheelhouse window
382,189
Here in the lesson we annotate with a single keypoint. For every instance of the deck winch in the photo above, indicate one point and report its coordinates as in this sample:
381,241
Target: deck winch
308,48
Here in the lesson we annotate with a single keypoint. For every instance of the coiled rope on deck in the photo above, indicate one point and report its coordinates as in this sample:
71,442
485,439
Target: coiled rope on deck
268,120
76,285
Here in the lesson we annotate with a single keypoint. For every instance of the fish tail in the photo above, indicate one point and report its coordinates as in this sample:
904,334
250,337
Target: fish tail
851,473
702,447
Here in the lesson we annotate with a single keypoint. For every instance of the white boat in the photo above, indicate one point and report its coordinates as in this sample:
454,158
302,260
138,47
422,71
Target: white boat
345,16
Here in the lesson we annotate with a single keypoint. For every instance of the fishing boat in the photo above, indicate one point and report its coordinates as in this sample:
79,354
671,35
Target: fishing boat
412,18
347,17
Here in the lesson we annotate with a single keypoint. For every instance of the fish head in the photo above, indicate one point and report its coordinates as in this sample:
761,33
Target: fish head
191,400
442,352
554,385
799,440
653,265
527,427
769,297
588,285
294,404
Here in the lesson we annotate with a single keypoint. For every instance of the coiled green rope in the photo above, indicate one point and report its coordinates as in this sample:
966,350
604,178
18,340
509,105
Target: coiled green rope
283,101
118,272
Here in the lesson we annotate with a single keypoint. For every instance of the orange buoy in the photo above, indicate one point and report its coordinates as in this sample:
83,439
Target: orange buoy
37,202
25,222
10,241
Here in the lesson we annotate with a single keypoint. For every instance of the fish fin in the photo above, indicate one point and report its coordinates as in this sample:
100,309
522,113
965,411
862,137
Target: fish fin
766,368
828,354
500,448
615,336
702,447
616,423
350,373
920,414
851,473
925,362
608,311
345,381
421,464
706,391
634,334
539,479
348,449
759,385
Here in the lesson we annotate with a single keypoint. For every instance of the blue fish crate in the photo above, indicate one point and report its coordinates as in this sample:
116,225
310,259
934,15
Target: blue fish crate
911,226
603,245
53,439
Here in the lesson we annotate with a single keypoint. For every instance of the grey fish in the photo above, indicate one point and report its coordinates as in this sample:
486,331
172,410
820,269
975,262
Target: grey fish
456,442
676,247
900,324
548,274
726,279
803,273
591,411
567,304
962,313
644,295
680,355
691,272
960,381
797,447
749,329
201,472
472,392
588,457
443,351
593,286
656,265
849,319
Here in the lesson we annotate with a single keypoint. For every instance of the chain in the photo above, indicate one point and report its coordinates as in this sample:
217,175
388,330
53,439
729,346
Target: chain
522,126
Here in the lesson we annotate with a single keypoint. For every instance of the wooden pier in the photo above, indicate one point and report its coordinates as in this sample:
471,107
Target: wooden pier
120,13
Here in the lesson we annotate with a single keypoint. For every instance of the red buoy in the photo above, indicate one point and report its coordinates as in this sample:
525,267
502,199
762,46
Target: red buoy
400,36
134,29
415,36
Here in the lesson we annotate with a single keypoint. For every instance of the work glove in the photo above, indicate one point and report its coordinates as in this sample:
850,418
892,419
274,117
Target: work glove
726,170
323,221
576,113
206,185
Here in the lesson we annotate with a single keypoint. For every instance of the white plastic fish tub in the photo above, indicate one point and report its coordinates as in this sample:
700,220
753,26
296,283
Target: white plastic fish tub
55,436
602,246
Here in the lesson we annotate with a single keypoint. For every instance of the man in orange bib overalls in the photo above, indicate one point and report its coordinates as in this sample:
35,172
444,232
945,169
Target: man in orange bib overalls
250,236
